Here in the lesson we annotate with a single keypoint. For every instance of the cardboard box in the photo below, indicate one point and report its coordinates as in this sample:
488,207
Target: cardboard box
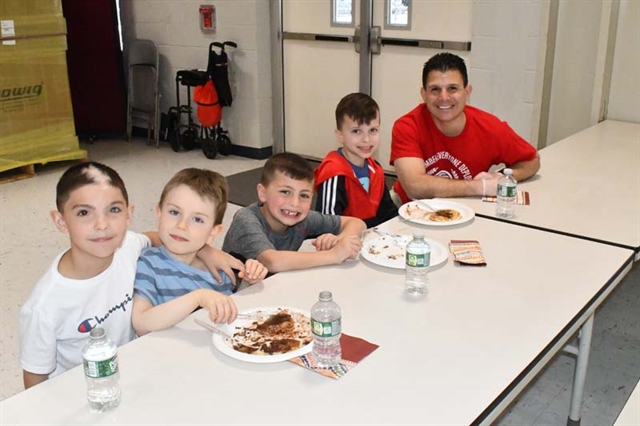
31,8
36,115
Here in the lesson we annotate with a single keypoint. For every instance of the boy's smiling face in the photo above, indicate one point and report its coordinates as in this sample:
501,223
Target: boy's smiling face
96,218
285,201
359,141
186,222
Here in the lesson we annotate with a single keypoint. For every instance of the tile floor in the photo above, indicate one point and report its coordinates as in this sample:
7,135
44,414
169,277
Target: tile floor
29,241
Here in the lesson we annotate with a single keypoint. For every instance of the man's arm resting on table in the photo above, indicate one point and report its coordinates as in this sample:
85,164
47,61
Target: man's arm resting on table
525,169
417,184
32,379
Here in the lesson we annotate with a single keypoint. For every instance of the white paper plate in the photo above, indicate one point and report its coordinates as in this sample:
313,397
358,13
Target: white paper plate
224,346
466,212
390,251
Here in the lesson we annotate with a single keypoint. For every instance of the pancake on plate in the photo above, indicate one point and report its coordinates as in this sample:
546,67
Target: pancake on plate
280,333
445,215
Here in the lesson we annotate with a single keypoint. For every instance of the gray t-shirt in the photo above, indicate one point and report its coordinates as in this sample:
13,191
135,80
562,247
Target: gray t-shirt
250,233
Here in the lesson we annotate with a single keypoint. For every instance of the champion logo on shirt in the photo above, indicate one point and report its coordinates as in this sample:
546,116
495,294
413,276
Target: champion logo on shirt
90,323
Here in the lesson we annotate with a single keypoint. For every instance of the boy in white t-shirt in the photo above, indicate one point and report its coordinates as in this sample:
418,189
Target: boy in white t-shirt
91,284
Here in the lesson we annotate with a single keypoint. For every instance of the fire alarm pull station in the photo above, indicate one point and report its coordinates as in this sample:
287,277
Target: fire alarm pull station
208,18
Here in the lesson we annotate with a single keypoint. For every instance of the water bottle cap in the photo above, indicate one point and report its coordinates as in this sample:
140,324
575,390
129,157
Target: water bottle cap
325,296
97,333
418,234
507,172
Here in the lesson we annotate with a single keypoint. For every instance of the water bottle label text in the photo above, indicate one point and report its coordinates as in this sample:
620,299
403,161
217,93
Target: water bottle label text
326,329
418,260
100,369
506,191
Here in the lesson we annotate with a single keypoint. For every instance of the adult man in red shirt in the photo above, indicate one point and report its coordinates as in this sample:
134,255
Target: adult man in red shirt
444,148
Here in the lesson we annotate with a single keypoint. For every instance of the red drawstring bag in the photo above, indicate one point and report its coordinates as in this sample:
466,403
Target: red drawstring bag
209,109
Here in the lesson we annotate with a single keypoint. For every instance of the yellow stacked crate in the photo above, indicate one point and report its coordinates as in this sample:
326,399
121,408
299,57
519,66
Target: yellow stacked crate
36,116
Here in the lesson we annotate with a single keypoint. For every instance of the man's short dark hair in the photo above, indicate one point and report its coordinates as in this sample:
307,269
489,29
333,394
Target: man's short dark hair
288,163
444,62
359,107
83,174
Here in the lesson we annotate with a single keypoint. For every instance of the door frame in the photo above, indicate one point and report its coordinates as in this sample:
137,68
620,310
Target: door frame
277,75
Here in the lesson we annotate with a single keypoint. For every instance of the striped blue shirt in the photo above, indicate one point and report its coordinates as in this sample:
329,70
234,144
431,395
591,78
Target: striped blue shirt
160,278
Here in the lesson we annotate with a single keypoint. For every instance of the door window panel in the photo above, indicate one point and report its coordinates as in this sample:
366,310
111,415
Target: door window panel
342,13
397,14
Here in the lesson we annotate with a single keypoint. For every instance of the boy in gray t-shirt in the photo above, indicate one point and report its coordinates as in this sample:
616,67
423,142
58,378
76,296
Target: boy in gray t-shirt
273,229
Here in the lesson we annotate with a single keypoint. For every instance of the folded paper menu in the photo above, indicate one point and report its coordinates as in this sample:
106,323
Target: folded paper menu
522,198
467,252
354,350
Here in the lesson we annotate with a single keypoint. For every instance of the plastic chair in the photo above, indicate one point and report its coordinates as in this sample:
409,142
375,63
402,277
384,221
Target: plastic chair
143,98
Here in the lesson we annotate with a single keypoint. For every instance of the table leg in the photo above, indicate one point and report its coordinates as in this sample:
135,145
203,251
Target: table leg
584,345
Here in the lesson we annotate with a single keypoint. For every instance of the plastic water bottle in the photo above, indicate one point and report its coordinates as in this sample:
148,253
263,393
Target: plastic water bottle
418,260
101,371
506,199
326,326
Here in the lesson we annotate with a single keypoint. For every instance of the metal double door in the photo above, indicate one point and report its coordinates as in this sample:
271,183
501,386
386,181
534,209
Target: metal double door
380,52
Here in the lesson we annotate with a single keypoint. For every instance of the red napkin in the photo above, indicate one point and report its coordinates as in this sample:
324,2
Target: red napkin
354,350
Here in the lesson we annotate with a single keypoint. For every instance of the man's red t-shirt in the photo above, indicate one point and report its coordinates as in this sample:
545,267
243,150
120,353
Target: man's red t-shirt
485,141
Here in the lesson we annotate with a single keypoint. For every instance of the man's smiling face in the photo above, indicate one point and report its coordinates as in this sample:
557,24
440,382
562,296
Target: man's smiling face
446,97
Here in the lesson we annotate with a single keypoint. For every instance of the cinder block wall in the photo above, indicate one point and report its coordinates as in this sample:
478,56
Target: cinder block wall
504,62
174,25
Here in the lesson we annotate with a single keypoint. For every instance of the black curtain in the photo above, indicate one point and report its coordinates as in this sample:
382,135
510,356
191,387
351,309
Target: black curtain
96,76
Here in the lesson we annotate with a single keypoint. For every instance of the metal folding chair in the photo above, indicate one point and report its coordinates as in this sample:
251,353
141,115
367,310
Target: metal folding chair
143,98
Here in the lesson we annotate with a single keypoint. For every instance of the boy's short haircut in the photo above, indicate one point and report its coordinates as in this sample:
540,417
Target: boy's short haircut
359,107
84,174
290,164
444,62
208,184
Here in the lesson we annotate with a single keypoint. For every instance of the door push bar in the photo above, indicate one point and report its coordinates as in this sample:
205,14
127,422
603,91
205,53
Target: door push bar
376,41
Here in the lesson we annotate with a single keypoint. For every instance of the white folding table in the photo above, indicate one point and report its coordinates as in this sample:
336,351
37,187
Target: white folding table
459,355
588,186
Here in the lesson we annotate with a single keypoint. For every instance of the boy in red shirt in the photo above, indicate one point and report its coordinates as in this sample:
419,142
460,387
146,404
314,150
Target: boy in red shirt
349,181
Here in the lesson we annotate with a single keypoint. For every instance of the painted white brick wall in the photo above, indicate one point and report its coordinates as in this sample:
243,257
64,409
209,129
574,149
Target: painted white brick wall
503,65
174,25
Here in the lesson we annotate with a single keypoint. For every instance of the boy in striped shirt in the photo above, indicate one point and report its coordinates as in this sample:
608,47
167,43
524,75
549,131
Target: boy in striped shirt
171,282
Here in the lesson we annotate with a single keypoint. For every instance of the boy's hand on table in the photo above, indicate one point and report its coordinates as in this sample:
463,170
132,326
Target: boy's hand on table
348,247
221,307
325,242
253,271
